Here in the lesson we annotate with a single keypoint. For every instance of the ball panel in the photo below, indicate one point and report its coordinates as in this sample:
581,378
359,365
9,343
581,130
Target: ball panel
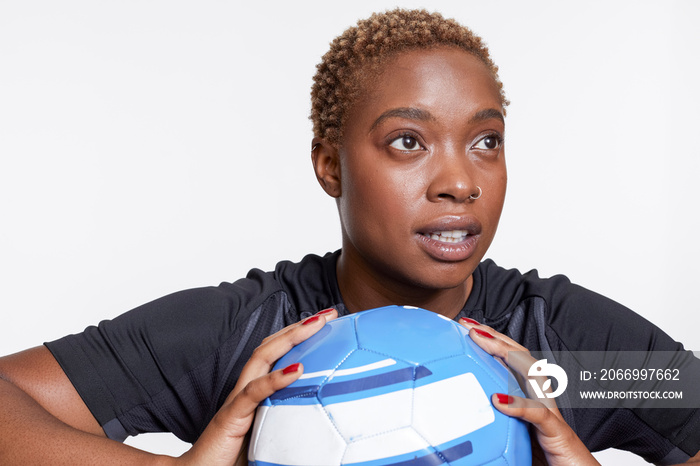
388,412
397,447
365,386
295,436
451,408
491,381
366,374
415,334
337,338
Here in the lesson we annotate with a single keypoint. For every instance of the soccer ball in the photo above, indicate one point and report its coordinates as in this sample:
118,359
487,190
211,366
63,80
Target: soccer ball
395,385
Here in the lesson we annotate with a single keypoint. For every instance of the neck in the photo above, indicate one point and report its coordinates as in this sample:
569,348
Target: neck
363,288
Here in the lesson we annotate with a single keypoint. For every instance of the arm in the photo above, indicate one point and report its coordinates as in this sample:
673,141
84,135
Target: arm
44,420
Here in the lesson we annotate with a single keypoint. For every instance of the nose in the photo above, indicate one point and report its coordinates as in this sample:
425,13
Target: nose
452,180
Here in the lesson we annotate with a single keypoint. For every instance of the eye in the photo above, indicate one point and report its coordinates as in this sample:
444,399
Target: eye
406,142
489,142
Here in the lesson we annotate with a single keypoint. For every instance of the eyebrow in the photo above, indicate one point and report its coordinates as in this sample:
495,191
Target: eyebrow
487,114
410,113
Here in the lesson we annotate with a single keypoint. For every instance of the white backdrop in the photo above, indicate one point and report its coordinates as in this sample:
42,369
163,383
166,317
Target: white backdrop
151,146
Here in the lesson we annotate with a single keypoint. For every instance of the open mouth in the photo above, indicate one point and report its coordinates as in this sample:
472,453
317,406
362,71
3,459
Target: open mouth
449,236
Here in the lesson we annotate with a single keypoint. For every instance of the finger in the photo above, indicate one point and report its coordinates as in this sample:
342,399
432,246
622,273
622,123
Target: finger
257,390
292,335
496,344
549,422
483,328
328,314
223,440
265,355
514,355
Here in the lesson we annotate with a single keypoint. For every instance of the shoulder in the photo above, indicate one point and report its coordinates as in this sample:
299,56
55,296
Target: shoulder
311,284
498,290
515,285
554,317
576,317
168,364
311,280
215,312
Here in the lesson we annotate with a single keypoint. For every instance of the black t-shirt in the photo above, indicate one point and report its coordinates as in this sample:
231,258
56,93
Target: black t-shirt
168,366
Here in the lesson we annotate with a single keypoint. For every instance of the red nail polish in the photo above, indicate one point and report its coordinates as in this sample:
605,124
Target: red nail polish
504,399
325,311
470,321
482,333
311,319
291,368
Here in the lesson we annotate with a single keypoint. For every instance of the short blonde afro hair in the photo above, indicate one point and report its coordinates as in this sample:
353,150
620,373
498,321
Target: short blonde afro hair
359,52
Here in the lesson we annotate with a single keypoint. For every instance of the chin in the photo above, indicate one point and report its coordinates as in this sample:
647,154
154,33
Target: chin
445,277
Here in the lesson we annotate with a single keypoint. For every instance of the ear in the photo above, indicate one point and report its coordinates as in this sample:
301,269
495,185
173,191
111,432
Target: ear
326,161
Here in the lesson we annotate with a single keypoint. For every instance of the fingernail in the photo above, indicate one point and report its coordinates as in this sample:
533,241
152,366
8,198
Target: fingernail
325,311
470,321
504,399
313,318
482,333
291,368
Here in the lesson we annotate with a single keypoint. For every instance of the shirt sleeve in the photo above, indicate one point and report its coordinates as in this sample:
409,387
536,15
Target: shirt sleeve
167,366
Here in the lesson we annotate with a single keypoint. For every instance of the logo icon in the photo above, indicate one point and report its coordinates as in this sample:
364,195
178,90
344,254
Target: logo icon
542,369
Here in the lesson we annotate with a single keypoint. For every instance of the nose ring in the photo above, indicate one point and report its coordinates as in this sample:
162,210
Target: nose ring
473,197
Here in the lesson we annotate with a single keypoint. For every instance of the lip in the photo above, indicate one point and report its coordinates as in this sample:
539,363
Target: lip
450,252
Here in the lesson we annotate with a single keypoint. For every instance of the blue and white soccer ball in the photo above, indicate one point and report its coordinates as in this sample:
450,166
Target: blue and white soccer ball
390,386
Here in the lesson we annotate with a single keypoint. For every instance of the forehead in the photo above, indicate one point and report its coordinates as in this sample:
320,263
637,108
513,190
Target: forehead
442,80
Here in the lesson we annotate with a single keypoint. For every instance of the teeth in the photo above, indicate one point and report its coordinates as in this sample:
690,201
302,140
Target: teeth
452,236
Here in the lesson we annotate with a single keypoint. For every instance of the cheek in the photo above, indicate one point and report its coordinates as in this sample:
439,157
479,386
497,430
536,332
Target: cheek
500,183
359,204
493,203
376,202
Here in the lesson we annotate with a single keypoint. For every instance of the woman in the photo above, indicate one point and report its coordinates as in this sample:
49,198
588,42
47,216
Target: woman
409,126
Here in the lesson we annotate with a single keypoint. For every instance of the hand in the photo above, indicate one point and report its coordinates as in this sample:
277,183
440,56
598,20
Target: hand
224,438
559,444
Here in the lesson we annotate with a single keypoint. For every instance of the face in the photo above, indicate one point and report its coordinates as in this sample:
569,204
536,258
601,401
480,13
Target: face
421,171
